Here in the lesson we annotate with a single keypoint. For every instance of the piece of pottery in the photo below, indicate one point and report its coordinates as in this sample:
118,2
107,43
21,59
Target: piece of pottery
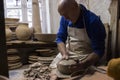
64,66
113,69
11,20
3,78
12,51
16,66
36,23
23,32
45,52
45,37
8,33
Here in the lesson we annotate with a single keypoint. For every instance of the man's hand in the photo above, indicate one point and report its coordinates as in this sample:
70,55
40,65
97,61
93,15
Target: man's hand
78,66
65,55
63,50
53,76
90,60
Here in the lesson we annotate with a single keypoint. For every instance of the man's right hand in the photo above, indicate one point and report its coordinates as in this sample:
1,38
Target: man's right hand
65,55
63,50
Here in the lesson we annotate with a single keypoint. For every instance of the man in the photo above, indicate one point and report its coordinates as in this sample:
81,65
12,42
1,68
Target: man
84,27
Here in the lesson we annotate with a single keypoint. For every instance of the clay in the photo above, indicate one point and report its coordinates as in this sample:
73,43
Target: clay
64,66
37,71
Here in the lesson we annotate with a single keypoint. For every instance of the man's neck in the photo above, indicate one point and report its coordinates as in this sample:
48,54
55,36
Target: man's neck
78,13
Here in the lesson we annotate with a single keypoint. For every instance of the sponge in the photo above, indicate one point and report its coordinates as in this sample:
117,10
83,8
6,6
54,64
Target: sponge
113,69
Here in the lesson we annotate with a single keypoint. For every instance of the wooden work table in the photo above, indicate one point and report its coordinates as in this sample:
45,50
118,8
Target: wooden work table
94,76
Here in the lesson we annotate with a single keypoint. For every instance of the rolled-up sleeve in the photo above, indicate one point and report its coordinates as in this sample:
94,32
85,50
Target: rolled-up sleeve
98,35
62,32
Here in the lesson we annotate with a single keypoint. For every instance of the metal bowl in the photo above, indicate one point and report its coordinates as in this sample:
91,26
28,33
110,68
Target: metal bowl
45,37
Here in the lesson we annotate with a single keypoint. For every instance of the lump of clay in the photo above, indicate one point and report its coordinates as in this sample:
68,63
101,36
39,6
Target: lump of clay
114,68
64,66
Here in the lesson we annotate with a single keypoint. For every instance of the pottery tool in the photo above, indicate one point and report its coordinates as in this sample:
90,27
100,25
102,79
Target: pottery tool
69,47
100,70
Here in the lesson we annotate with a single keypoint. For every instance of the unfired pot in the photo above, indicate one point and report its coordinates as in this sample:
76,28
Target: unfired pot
64,66
23,32
8,33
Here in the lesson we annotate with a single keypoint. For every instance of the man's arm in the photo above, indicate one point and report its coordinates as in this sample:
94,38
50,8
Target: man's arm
97,37
90,60
62,37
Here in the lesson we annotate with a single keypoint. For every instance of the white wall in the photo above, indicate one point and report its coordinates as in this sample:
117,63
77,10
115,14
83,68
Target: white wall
54,16
100,7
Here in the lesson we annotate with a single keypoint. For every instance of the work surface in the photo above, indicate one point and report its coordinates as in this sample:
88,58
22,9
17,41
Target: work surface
18,75
95,76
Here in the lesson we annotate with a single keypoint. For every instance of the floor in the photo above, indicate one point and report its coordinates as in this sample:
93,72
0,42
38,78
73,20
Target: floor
17,74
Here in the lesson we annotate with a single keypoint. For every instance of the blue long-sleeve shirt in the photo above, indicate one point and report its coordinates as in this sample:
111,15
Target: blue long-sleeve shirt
94,28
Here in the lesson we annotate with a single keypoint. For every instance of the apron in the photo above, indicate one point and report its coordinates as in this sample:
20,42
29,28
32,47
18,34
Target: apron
78,45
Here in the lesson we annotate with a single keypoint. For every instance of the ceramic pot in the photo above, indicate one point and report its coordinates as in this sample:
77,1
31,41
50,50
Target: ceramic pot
8,33
113,69
23,32
63,66
45,37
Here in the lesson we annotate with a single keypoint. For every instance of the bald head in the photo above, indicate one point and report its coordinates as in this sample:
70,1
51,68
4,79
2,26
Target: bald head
68,8
66,5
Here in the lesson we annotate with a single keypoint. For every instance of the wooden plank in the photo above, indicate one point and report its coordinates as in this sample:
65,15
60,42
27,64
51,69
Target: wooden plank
3,53
30,44
118,41
118,30
119,8
113,25
105,57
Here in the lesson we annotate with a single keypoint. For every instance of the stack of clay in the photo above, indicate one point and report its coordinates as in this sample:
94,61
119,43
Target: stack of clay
37,71
14,61
47,52
46,60
46,55
33,57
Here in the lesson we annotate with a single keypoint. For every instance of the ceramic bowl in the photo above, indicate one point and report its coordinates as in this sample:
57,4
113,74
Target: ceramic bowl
45,37
11,20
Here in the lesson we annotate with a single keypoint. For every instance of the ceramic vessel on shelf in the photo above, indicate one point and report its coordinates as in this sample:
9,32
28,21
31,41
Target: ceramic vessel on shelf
45,37
8,33
36,23
23,32
113,69
11,20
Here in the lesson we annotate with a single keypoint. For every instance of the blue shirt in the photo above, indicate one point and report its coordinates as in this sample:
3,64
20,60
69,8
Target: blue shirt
94,28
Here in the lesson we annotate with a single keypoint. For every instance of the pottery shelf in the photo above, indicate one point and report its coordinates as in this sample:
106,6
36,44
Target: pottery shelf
25,48
30,44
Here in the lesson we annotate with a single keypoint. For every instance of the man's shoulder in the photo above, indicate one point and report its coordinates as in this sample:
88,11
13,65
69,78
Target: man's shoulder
63,19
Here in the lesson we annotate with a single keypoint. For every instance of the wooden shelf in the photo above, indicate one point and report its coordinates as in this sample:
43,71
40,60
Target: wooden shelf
29,44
